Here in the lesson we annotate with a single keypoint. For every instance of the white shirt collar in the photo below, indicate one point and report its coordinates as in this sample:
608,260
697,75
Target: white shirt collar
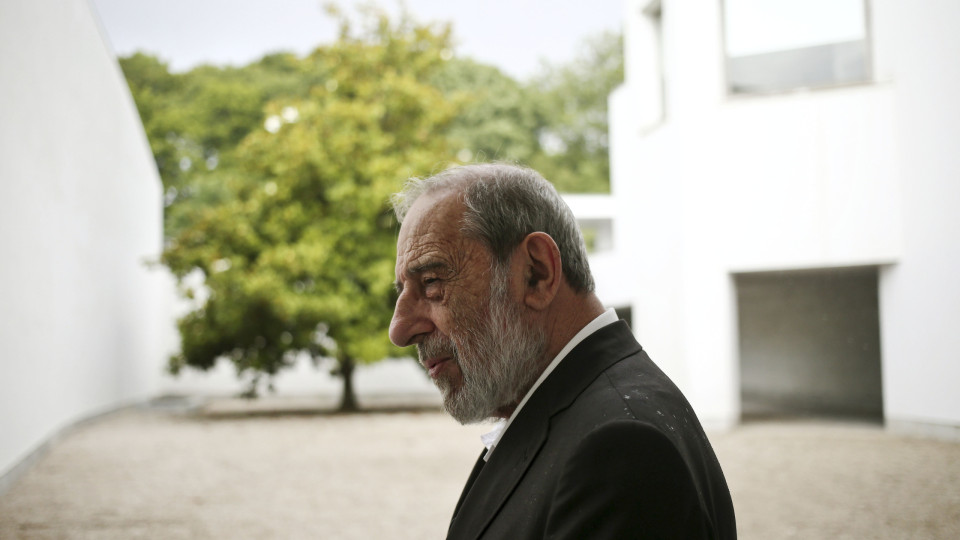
493,437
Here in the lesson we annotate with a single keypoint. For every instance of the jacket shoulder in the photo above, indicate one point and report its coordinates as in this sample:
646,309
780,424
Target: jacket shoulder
622,478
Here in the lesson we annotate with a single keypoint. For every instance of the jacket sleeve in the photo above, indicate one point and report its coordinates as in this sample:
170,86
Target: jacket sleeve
626,479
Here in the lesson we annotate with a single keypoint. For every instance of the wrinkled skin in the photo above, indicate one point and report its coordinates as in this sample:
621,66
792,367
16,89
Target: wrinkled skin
458,308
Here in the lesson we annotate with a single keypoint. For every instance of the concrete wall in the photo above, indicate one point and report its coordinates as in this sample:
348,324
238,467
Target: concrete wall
83,323
847,176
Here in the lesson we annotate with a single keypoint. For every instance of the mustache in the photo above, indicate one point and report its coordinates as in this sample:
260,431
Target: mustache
435,346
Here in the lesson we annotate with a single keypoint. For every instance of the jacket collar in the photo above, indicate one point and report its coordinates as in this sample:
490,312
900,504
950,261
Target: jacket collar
492,485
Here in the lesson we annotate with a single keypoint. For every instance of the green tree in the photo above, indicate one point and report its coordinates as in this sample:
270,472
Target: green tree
555,123
196,120
276,176
572,100
155,91
499,118
295,238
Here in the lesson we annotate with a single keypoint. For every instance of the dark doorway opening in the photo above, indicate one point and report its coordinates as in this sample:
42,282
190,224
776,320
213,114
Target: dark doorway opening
810,344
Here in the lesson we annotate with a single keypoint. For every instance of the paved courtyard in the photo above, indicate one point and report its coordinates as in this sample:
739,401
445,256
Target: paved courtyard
287,470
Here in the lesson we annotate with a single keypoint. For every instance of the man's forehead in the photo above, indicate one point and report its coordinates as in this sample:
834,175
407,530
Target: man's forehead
431,225
431,217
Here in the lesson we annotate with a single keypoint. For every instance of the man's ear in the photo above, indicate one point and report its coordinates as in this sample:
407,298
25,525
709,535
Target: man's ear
542,271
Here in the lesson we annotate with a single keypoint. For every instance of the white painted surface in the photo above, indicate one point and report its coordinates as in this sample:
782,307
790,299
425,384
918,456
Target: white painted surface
850,176
82,320
920,297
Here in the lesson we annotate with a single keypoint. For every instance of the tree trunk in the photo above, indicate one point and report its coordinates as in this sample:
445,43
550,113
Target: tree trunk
348,399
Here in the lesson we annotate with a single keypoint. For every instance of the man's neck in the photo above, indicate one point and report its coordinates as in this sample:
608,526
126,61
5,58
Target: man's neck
569,315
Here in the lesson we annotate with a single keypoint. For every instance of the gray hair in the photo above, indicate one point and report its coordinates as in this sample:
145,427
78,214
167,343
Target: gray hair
504,204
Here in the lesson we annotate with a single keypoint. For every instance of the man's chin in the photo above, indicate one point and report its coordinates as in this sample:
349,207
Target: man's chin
468,420
460,413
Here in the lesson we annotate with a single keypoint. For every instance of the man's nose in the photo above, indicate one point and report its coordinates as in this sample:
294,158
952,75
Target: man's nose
410,322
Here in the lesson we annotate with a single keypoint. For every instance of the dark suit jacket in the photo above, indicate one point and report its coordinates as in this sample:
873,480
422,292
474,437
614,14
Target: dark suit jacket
607,447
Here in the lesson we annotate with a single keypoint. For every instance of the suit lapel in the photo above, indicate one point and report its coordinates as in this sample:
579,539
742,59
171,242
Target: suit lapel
513,455
490,485
477,467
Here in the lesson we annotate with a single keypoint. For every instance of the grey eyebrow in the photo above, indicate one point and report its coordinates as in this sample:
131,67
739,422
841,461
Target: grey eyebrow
426,267
417,270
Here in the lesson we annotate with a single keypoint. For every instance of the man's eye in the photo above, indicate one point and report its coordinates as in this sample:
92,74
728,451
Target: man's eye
432,287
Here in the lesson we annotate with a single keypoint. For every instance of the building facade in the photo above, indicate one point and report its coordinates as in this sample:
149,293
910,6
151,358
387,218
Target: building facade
785,184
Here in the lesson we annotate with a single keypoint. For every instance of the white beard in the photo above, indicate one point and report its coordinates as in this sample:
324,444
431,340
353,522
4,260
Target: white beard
498,355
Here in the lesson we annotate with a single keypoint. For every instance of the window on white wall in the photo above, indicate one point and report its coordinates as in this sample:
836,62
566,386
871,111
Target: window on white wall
597,234
781,45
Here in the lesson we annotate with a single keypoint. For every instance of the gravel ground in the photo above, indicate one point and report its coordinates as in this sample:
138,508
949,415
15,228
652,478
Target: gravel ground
289,471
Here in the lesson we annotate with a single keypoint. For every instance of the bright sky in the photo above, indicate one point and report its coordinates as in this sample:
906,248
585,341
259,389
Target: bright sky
513,35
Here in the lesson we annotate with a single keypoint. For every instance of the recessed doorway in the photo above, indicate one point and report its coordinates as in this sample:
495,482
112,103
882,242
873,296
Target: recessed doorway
810,343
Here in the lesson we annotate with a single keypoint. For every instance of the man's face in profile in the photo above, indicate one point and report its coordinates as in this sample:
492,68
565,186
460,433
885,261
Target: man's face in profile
455,304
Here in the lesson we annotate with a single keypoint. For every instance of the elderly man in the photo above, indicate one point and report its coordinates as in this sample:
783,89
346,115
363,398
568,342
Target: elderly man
593,440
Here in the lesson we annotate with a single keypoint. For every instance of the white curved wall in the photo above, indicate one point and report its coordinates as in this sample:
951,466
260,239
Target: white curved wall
84,325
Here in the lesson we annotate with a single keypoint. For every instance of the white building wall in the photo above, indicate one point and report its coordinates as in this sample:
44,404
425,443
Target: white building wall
858,175
920,296
598,212
84,323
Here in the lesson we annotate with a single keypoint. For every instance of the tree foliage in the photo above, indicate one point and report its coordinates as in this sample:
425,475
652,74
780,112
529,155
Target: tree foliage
572,98
277,176
499,118
294,236
555,123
